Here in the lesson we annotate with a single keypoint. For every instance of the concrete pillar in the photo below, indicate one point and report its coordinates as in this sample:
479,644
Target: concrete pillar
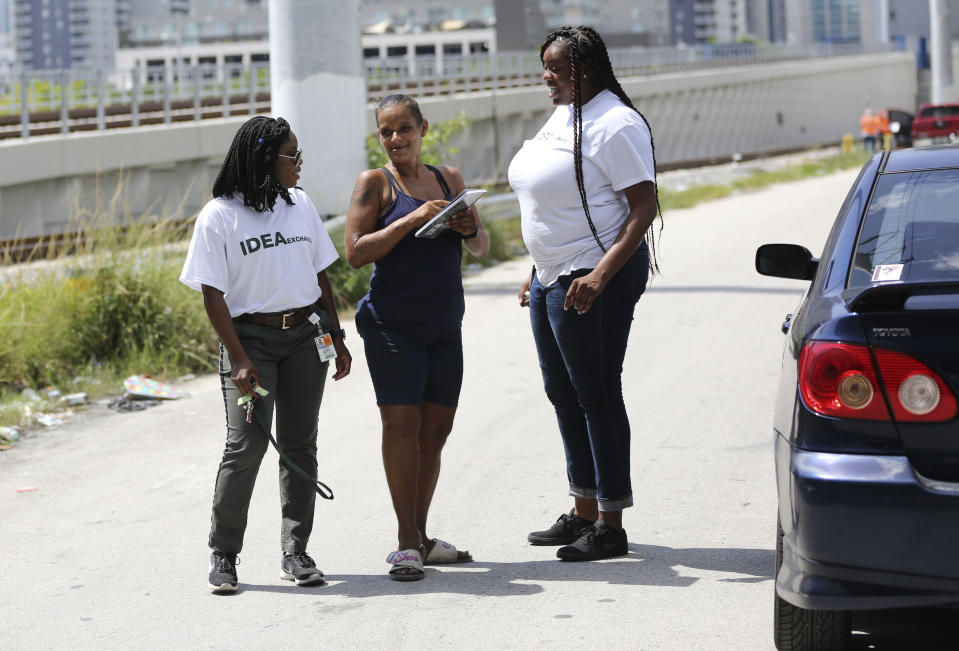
940,51
882,21
317,83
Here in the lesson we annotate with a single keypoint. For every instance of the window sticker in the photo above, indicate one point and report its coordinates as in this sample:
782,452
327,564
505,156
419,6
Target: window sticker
886,272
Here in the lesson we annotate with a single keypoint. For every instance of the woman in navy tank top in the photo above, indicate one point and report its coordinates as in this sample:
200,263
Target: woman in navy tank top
410,319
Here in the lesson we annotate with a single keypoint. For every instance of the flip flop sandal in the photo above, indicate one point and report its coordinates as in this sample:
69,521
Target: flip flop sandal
443,553
403,559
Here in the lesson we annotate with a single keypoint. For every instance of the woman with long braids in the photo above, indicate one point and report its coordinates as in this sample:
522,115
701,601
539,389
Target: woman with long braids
258,255
586,185
411,320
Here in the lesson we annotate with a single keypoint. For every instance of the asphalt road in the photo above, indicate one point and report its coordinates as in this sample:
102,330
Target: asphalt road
110,550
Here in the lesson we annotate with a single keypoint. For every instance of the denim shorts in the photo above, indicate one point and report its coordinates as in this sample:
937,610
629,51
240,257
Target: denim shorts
413,366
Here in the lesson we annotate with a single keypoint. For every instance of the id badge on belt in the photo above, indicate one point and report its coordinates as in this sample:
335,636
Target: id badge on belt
324,342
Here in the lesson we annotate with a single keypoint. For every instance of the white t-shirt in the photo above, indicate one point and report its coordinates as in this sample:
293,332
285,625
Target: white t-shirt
617,153
261,261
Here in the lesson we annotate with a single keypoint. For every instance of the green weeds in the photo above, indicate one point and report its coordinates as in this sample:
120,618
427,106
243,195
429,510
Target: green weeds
689,197
84,315
88,316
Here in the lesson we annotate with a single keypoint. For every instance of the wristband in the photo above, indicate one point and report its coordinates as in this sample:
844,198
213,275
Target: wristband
471,235
341,333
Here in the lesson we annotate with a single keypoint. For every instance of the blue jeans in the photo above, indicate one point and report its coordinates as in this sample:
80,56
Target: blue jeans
581,357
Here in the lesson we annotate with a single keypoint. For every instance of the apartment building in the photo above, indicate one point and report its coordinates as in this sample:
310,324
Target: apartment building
7,51
766,20
380,16
707,21
522,24
862,22
155,23
65,33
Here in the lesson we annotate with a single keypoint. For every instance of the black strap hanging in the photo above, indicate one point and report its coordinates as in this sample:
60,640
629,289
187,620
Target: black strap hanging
321,489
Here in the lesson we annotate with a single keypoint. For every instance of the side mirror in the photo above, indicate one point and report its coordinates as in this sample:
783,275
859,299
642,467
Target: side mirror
786,261
895,127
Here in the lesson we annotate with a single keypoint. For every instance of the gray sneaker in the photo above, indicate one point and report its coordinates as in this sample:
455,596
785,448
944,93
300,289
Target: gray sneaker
567,529
222,572
300,568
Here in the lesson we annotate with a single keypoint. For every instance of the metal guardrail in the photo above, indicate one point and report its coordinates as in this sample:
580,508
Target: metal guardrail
63,101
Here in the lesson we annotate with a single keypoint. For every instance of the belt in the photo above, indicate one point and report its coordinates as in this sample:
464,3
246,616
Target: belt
282,320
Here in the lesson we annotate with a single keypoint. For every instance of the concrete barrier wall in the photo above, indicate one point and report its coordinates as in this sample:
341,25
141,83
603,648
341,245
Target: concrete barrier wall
46,182
51,184
706,114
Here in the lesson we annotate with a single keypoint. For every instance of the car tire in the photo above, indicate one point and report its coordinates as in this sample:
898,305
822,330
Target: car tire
799,629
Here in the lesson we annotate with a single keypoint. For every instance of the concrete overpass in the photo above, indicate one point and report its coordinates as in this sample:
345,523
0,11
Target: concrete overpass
45,183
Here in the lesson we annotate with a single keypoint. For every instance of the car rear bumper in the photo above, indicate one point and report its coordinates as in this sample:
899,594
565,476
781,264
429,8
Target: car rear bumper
864,531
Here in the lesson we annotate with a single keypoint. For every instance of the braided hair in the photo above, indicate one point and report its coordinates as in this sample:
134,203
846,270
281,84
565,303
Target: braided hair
587,52
248,166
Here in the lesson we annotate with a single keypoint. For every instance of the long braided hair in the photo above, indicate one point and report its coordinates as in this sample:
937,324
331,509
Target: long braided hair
587,52
248,166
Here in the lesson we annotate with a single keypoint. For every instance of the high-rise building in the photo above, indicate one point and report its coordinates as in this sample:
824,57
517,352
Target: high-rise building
766,20
864,22
519,25
183,22
419,15
6,13
6,24
621,24
707,21
65,33
836,21
638,22
7,52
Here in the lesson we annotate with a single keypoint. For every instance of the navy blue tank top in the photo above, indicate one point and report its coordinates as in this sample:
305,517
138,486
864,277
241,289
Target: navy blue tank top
419,283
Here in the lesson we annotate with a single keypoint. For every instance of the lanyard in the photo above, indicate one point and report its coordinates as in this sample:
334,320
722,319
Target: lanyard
321,489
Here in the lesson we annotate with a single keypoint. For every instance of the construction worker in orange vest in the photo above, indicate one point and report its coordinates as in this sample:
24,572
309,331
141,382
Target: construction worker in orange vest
869,126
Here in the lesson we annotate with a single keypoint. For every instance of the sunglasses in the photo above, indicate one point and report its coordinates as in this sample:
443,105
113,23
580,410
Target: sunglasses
297,157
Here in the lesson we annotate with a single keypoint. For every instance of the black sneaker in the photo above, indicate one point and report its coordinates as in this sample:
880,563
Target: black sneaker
599,541
300,568
568,528
223,572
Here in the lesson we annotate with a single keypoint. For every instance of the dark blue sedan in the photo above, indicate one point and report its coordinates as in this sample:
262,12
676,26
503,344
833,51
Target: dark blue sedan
867,438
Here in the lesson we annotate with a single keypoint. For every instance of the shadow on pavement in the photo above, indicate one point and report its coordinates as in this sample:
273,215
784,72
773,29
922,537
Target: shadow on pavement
285,588
758,564
645,565
906,628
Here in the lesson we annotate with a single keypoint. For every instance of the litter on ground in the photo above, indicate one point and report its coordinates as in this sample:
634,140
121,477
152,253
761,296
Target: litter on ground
142,386
126,404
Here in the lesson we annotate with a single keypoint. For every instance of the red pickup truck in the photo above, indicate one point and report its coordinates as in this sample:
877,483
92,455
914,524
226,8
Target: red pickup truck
936,121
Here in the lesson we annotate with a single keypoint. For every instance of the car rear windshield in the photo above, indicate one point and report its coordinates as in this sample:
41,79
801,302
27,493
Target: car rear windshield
911,230
939,111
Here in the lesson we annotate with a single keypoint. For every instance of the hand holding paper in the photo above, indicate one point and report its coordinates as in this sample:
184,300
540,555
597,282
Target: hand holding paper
461,202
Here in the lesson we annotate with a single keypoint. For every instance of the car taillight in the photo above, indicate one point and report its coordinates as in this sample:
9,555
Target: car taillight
840,380
916,392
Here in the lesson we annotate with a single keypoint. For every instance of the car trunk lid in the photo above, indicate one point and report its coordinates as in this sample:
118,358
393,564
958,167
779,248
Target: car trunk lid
920,320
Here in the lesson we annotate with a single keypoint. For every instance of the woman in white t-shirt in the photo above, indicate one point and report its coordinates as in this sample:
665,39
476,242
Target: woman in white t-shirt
258,254
586,185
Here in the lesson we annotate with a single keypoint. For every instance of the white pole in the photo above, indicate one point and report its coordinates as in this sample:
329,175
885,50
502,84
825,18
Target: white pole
317,84
882,22
940,49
